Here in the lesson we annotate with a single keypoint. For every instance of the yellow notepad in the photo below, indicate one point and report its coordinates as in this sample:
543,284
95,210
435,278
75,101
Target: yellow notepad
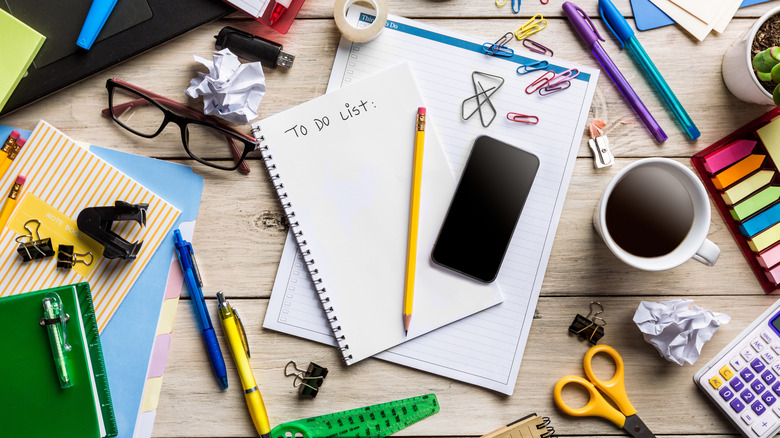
20,44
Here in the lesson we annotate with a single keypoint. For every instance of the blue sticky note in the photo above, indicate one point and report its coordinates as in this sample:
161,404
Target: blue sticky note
648,16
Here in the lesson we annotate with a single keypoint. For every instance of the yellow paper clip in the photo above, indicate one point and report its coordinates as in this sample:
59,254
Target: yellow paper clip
532,26
500,4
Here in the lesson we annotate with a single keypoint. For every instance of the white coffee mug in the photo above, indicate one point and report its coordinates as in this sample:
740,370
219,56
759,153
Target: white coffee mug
695,244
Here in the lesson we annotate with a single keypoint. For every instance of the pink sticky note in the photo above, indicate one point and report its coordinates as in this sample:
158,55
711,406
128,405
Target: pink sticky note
770,257
728,155
774,275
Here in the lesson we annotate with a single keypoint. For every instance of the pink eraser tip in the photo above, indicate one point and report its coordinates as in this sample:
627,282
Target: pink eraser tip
15,134
421,110
20,179
21,142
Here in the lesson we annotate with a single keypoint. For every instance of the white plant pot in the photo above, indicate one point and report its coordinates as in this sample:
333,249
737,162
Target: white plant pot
737,67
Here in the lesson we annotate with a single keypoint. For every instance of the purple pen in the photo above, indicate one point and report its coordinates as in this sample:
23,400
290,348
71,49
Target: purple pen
585,29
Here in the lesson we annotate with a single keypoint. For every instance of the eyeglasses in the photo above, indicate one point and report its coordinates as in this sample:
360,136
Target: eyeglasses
146,114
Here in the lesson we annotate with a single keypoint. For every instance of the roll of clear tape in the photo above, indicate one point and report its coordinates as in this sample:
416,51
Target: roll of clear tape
365,34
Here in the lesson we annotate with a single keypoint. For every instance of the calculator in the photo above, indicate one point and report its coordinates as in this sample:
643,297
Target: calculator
743,380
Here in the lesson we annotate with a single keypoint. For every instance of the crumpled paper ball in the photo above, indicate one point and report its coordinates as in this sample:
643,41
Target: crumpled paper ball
677,331
231,90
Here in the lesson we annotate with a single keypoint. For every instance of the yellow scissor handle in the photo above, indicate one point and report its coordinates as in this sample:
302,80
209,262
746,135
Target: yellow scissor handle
597,406
615,387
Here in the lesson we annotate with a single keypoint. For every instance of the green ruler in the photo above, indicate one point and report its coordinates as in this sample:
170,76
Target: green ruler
371,421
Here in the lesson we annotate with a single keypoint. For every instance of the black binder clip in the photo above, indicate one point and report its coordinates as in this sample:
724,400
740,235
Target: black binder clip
587,328
67,258
34,248
96,223
309,381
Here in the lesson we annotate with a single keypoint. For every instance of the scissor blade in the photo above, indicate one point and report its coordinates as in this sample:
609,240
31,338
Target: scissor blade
636,427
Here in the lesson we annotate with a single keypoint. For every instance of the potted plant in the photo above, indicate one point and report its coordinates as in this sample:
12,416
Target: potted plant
737,68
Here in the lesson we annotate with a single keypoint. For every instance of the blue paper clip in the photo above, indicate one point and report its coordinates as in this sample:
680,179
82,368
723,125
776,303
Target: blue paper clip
499,48
534,66
516,6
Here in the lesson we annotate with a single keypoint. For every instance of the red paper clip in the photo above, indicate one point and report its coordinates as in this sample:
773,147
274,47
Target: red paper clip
522,118
540,82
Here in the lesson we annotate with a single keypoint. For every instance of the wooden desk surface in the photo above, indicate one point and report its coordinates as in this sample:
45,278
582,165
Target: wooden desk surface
240,233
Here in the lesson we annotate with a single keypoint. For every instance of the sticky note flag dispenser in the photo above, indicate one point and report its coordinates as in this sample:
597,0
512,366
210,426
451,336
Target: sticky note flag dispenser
740,172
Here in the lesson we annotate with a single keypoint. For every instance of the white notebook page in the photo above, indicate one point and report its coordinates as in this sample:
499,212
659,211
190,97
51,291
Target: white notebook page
484,349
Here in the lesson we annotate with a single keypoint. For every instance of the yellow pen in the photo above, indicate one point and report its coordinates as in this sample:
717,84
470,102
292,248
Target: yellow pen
10,203
236,337
414,217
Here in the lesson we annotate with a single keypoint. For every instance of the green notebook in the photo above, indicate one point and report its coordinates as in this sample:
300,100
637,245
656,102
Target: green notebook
32,401
20,44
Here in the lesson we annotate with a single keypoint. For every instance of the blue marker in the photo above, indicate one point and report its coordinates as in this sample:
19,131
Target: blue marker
625,35
96,18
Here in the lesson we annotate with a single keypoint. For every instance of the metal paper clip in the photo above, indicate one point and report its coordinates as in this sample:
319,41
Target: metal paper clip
67,258
535,24
540,82
534,66
550,89
536,47
586,327
522,118
599,144
499,48
482,97
307,381
35,248
564,76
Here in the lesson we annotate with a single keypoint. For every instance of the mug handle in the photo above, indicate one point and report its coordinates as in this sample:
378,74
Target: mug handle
708,253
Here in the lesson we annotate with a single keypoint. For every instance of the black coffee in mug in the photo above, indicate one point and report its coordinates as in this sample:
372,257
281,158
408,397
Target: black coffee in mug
649,212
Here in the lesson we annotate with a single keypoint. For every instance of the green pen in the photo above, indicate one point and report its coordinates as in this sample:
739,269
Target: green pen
54,319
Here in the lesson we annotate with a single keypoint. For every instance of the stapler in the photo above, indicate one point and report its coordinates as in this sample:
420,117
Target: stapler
96,223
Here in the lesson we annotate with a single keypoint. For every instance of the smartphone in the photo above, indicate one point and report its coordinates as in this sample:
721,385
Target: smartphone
485,209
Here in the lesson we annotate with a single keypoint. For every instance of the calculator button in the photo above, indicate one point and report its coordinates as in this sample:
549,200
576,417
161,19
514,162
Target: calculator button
757,345
768,377
747,396
737,405
758,408
767,337
767,397
762,426
726,372
775,409
746,374
776,368
738,363
768,357
758,386
737,384
776,388
758,365
776,348
748,417
747,354
726,393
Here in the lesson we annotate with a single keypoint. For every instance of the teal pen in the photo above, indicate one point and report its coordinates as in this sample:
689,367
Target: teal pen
625,35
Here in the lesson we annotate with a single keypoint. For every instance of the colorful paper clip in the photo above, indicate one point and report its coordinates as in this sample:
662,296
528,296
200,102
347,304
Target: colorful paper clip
515,5
564,76
499,48
535,24
550,89
534,66
537,47
540,82
544,2
522,118
482,97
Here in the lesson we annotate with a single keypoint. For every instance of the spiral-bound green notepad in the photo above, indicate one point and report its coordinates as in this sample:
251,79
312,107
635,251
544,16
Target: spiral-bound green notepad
32,403
20,45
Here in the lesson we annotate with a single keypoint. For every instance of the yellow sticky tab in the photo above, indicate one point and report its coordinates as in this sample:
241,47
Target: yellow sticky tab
151,394
61,229
726,372
167,316
716,382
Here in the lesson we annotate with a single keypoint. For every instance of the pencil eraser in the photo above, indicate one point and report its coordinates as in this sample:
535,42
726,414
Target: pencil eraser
421,110
15,134
20,179
20,142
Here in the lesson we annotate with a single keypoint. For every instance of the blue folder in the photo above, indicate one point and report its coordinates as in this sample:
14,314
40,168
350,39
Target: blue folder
647,15
128,337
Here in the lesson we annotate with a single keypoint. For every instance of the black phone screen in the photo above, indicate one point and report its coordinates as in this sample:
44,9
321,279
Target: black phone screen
485,209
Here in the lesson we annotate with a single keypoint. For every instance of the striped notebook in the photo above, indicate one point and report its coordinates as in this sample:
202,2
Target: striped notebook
62,179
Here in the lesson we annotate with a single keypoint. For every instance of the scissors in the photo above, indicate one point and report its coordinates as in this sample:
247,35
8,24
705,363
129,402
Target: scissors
614,388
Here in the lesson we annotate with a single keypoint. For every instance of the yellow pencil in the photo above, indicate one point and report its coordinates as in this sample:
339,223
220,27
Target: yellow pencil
10,203
414,217
8,159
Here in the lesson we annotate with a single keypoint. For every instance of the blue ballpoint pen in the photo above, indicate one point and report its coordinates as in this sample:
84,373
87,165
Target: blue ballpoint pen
192,276
625,35
93,24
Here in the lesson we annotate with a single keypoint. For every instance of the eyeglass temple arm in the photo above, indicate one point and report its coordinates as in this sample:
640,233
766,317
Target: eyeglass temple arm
121,108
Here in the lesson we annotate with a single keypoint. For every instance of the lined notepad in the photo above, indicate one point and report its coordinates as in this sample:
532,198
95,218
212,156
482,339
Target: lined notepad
484,349
67,178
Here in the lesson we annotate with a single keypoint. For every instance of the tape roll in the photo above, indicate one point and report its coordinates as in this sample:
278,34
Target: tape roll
352,33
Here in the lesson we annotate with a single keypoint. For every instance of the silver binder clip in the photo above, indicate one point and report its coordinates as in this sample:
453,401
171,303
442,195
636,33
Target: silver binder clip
599,144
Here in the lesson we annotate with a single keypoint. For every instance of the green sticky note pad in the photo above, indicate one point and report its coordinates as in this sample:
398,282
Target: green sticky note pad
755,203
20,44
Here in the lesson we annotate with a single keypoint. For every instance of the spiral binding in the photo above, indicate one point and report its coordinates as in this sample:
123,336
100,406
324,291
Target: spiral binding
550,430
275,178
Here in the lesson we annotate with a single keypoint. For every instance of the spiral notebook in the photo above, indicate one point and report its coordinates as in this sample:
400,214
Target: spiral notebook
342,167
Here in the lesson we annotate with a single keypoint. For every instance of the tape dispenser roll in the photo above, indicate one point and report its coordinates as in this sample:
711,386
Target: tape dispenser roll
352,33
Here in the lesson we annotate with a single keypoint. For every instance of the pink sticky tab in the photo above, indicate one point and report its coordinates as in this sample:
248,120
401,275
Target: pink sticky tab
774,275
770,257
162,345
728,155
